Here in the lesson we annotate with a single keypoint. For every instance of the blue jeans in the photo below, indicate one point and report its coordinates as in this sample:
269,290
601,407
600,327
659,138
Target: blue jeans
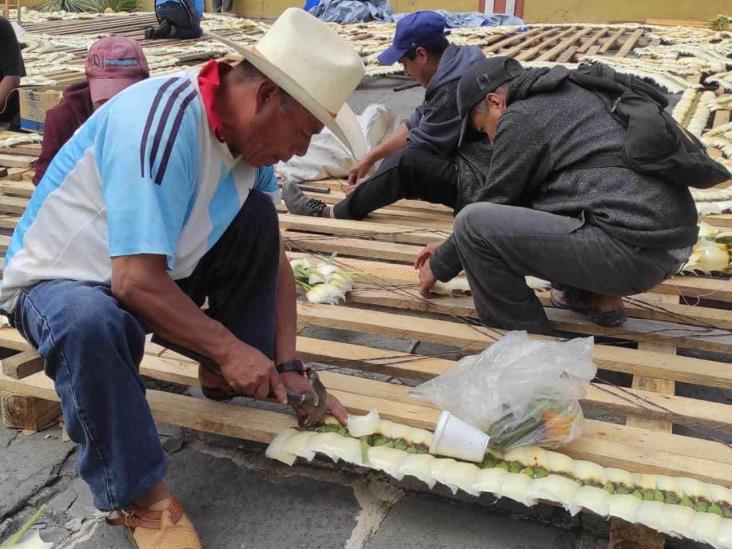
92,348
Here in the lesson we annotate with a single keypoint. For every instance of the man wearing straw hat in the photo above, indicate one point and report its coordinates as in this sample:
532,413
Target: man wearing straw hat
162,200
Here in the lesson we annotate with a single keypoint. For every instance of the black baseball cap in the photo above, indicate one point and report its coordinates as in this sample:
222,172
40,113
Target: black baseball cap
483,77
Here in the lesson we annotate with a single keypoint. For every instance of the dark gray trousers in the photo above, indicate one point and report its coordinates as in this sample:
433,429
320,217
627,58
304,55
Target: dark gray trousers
499,245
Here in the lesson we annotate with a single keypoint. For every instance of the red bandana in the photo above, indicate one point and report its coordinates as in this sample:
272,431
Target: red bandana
209,80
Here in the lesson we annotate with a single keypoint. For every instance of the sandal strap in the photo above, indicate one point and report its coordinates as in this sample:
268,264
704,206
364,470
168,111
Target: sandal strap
139,517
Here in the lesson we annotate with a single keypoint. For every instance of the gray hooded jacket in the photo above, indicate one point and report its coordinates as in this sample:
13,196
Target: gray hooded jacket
546,133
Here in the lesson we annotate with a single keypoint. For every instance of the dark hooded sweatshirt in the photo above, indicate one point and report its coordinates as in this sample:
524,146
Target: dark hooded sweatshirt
435,125
61,123
538,139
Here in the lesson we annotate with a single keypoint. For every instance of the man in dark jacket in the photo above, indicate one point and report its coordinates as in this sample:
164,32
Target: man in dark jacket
596,233
11,70
421,158
113,64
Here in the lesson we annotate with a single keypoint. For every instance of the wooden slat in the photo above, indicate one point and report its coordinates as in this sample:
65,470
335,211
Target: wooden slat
600,398
687,286
528,55
565,44
610,42
592,40
629,43
473,338
360,395
530,42
518,37
633,329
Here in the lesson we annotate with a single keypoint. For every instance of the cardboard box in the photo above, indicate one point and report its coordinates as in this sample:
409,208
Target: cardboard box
35,102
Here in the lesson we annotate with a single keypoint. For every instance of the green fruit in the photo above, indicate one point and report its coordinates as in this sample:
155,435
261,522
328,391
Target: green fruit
701,506
609,487
528,471
623,489
389,443
726,511
658,496
400,445
541,473
686,502
489,461
514,467
503,465
379,441
716,509
343,431
649,495
638,494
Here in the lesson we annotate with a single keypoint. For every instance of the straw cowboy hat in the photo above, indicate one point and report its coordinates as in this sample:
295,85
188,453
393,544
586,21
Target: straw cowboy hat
315,66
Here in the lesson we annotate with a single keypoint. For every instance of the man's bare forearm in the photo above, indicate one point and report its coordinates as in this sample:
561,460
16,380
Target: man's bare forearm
395,142
143,286
286,313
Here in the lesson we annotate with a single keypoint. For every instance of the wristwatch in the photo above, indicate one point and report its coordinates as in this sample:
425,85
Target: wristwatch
296,365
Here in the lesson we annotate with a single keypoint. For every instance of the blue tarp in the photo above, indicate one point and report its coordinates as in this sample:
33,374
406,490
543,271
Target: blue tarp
358,11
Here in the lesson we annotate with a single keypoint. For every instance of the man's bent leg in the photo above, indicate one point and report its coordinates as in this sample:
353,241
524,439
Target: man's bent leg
498,245
92,349
238,274
409,173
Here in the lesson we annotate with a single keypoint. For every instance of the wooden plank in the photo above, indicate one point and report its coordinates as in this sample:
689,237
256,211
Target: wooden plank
592,40
609,444
349,246
22,189
11,204
203,415
640,330
527,55
17,161
470,339
567,56
621,533
525,44
518,37
563,45
629,43
600,397
718,220
377,231
610,42
360,395
22,364
377,276
28,413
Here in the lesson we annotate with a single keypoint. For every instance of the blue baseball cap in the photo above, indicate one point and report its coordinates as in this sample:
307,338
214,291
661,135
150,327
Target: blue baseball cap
418,29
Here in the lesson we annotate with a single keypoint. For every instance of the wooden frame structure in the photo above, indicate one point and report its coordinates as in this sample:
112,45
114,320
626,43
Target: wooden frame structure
652,348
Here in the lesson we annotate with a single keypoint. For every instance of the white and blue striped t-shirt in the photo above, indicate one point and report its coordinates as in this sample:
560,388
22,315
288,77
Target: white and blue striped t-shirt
144,175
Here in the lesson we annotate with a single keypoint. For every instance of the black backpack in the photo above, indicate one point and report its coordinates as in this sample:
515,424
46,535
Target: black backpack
655,144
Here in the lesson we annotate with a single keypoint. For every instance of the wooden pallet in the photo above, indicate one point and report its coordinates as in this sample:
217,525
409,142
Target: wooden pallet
385,302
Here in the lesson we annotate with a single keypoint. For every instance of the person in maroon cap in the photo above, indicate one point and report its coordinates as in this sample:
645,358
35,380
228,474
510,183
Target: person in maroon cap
113,64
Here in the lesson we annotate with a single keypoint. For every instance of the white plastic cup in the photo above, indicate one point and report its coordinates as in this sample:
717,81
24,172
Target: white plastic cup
456,439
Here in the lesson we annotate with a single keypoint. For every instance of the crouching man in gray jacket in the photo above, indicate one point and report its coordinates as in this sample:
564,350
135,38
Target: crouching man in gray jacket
596,233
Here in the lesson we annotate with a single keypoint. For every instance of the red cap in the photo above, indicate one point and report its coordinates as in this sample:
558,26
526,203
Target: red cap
113,63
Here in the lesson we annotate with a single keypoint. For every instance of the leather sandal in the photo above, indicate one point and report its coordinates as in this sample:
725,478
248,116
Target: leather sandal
581,301
166,529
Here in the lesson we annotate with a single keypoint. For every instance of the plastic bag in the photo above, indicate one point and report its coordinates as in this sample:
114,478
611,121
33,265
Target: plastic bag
519,391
